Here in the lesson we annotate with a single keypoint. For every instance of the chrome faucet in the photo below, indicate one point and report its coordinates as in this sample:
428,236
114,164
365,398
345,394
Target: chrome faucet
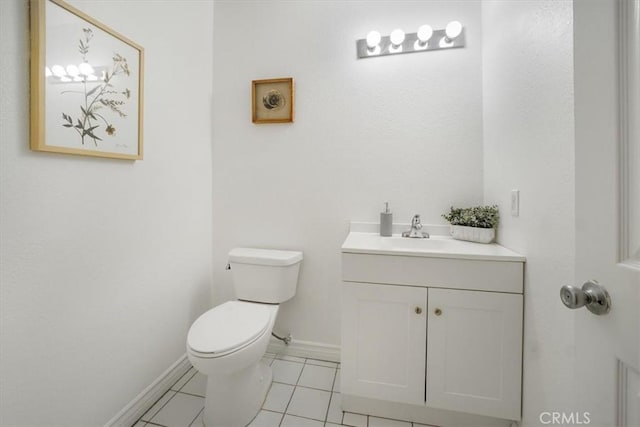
416,229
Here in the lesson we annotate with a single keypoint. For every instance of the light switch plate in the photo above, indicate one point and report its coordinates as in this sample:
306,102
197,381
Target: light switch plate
515,202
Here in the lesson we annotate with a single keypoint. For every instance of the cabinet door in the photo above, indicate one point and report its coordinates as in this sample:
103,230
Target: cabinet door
474,352
383,341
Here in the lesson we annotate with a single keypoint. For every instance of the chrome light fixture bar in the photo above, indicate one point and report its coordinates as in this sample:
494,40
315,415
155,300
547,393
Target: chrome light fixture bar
425,39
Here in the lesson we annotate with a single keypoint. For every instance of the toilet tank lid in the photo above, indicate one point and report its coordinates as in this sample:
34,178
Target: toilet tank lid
264,256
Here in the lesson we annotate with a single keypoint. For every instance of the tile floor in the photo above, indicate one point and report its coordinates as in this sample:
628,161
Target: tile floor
304,393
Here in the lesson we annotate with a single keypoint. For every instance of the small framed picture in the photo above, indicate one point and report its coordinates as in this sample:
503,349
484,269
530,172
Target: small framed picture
272,100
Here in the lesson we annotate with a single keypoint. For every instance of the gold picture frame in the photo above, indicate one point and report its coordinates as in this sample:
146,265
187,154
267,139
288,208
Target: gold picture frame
86,85
272,100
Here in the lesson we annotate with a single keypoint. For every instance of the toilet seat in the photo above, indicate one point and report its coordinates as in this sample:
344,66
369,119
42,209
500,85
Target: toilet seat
228,328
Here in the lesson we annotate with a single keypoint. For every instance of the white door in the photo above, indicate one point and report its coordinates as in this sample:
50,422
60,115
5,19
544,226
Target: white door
607,216
474,352
384,337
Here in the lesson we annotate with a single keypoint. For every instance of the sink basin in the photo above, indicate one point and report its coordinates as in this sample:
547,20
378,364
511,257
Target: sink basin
435,246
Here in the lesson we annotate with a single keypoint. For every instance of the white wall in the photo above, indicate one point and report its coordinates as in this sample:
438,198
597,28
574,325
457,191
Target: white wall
104,264
405,129
529,145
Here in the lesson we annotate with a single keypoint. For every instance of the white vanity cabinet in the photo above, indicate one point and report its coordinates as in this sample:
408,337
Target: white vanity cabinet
474,352
384,333
435,331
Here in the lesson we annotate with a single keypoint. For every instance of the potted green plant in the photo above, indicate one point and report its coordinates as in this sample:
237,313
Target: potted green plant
475,224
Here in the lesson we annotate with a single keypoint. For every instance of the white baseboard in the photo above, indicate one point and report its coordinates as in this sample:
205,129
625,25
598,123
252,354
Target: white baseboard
142,402
313,350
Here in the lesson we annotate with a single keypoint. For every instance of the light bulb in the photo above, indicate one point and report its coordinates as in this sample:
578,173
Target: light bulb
396,37
92,78
373,39
58,71
72,70
424,34
453,30
85,69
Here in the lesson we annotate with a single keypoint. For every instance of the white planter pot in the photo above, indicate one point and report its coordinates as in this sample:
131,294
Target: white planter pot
473,234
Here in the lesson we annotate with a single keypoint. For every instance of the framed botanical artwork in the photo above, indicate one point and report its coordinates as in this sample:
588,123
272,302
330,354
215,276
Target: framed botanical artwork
272,100
86,85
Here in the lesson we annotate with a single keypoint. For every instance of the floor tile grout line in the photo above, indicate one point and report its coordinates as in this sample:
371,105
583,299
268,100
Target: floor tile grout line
190,394
187,382
297,379
335,371
395,419
185,374
344,413
194,420
294,392
175,392
322,366
310,388
292,361
326,415
301,371
322,360
306,418
335,377
159,409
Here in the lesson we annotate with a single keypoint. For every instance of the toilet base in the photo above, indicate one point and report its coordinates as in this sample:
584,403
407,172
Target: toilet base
234,400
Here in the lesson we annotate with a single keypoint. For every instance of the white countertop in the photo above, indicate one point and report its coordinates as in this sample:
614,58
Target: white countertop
437,246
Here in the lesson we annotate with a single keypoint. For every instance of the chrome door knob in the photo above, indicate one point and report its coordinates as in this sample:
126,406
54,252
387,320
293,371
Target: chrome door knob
572,296
591,295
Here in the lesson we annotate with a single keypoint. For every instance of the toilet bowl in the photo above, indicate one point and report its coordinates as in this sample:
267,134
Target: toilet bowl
227,342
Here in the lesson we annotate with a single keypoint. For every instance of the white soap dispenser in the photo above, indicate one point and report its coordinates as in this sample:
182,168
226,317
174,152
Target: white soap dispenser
386,221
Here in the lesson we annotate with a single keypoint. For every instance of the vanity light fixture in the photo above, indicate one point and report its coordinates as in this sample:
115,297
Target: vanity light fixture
451,32
424,34
72,73
58,71
425,39
396,38
373,43
73,70
85,69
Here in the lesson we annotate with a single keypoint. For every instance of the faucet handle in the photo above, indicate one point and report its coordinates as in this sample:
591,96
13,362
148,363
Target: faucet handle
416,226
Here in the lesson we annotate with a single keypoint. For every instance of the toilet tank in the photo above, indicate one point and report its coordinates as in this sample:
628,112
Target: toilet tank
264,275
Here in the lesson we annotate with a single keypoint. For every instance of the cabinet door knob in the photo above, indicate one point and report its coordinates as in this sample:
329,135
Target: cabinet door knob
418,310
437,312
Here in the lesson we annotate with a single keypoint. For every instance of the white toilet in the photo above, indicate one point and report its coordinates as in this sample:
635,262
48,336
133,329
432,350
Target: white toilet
227,342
